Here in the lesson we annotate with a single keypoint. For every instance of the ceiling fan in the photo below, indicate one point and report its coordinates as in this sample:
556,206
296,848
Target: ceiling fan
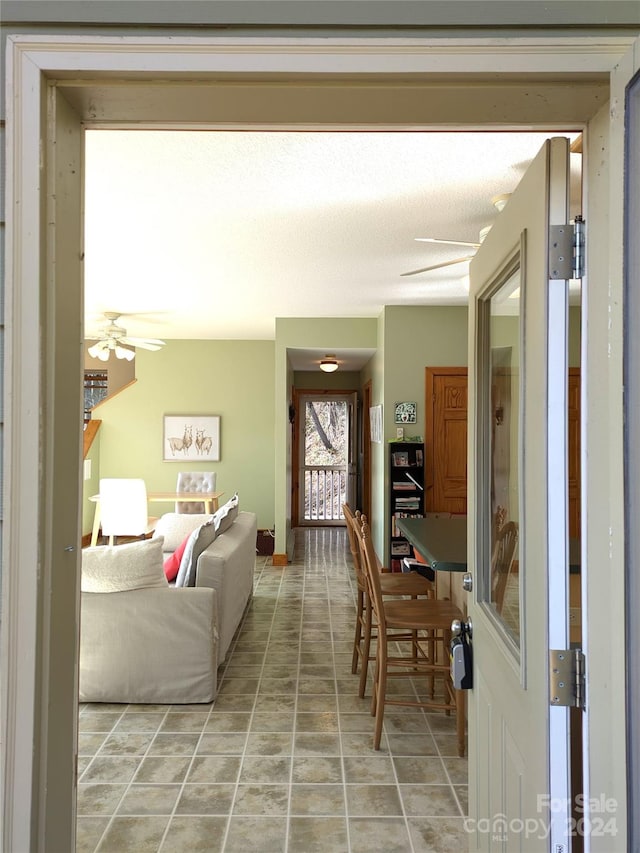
114,338
498,202
444,263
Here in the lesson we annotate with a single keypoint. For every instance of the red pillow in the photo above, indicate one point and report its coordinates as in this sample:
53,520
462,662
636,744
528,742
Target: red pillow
172,563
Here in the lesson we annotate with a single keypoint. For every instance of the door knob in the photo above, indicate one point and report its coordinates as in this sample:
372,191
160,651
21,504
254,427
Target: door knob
460,628
467,582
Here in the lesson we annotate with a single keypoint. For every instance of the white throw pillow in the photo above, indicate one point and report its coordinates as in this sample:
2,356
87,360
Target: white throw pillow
224,517
120,567
199,540
176,526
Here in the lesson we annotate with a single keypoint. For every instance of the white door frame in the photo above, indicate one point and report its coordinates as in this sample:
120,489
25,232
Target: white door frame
35,63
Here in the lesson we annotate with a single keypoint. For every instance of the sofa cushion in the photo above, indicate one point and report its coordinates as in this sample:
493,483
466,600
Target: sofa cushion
176,527
224,517
117,568
197,542
172,563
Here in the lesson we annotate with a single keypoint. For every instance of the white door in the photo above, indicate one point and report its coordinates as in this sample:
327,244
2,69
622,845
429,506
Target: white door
518,476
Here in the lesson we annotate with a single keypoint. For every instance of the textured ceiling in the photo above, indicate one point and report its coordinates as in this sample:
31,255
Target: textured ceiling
214,234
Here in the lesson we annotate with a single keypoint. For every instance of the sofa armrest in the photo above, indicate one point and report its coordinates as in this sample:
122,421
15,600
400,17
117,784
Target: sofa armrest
227,566
150,645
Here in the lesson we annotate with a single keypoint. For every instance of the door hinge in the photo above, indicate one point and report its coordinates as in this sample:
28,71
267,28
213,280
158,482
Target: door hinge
567,678
566,250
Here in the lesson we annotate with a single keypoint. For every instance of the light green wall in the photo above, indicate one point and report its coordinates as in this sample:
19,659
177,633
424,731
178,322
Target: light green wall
414,338
408,340
373,372
91,486
315,380
233,379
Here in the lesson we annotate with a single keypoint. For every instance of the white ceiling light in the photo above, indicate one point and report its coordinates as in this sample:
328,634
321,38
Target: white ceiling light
329,364
124,352
99,351
103,349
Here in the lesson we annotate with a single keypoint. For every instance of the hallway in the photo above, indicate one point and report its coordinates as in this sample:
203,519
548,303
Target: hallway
283,761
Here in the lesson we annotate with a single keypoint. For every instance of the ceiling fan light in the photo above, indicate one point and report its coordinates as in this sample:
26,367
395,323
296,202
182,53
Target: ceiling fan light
124,352
95,350
103,355
329,364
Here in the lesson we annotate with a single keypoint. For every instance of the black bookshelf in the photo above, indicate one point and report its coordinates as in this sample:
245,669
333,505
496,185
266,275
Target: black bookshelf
406,495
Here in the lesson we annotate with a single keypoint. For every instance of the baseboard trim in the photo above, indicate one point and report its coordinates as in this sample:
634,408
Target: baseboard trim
280,560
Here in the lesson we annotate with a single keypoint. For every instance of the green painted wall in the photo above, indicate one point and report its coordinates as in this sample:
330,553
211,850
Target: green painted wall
317,381
414,338
233,379
90,485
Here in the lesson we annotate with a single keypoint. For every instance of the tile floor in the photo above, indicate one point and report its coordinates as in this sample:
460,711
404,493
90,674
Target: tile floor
283,760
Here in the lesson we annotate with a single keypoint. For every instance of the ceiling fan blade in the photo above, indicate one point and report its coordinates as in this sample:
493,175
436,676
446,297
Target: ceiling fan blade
446,242
439,266
152,344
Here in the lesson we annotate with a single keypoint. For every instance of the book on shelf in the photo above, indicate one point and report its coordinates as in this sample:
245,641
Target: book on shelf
407,503
404,486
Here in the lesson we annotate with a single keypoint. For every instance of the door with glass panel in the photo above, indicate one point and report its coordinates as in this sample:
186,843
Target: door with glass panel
328,452
518,517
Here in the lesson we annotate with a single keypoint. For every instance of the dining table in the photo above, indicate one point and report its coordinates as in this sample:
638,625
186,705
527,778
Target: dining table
209,499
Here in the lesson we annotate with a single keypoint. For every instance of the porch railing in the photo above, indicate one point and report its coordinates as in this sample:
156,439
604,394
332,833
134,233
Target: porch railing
325,490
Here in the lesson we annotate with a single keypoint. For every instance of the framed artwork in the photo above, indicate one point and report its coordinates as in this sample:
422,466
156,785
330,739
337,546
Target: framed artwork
375,419
405,413
192,437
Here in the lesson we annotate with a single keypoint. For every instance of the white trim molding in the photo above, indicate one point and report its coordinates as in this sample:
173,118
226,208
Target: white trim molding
37,64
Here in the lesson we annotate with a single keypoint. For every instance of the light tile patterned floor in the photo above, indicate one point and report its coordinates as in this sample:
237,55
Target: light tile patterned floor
283,761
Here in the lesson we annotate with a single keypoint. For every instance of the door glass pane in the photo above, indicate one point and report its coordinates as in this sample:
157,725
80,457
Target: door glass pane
326,445
504,386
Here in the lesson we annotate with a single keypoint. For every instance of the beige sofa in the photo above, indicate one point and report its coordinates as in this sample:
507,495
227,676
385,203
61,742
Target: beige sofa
226,565
151,642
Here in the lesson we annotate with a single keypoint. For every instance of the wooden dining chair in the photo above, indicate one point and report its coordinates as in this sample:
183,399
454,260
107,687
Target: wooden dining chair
123,508
395,618
392,583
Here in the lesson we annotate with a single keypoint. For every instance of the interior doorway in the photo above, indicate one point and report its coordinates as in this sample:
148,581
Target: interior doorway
31,325
327,441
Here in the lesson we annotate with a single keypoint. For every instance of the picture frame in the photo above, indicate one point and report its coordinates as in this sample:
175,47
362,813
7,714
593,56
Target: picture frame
405,413
193,438
375,420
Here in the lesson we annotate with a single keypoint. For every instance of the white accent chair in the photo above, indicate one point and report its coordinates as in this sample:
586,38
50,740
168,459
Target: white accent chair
123,508
194,481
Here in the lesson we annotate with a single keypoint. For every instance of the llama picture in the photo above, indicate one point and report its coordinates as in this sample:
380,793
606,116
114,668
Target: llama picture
191,437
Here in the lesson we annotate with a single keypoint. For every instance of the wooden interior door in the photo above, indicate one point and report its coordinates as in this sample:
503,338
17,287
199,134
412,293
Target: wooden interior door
446,439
